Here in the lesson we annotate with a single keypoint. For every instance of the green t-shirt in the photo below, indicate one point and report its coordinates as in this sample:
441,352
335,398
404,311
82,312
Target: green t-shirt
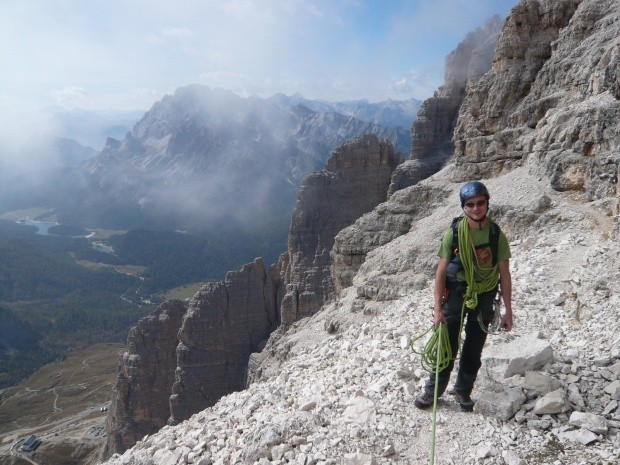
484,258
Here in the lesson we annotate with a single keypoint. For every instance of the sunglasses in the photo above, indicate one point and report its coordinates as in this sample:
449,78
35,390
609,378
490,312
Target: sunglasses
479,203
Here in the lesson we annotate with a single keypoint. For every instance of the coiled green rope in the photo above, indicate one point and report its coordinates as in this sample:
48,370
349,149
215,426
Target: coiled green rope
436,354
435,357
467,252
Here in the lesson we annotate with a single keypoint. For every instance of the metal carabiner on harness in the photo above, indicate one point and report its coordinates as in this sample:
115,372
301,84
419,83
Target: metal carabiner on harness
495,326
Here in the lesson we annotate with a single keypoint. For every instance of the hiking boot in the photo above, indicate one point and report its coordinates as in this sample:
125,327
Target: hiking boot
463,400
423,401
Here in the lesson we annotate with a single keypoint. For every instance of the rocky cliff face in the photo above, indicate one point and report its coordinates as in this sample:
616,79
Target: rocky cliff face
201,355
225,323
140,398
354,181
180,361
431,133
552,95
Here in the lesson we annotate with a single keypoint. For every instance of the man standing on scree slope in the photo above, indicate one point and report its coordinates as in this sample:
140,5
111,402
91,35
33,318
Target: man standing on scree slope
467,280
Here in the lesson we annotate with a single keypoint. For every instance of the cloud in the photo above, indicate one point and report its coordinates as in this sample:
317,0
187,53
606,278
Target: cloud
69,96
180,33
415,83
94,54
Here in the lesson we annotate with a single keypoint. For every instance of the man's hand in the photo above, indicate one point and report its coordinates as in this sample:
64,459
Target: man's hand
438,315
507,321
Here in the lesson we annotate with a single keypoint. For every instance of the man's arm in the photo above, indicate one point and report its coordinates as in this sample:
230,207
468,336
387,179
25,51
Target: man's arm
505,283
440,290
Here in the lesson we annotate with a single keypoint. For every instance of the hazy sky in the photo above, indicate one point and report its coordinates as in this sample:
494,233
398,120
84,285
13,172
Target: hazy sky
126,54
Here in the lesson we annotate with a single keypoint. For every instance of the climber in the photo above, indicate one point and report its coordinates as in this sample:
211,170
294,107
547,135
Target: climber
471,265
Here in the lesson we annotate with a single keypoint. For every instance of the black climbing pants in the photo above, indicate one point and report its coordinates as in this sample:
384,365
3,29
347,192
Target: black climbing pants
475,337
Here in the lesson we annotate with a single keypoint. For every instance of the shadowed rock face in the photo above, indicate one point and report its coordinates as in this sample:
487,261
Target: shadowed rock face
225,323
553,94
140,403
180,361
355,180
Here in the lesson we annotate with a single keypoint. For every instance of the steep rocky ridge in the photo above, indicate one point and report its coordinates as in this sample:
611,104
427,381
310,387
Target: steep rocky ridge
338,387
552,94
202,354
354,181
431,133
140,398
225,323
179,361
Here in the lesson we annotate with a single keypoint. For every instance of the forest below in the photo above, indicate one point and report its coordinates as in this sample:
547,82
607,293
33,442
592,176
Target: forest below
57,292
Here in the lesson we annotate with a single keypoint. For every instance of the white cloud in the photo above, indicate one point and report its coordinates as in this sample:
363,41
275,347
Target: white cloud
97,53
70,96
182,33
416,84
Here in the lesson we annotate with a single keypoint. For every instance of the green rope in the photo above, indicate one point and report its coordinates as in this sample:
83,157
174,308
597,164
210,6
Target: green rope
436,357
467,252
436,353
442,359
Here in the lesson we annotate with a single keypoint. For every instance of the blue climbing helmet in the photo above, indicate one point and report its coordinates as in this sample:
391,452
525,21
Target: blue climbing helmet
473,189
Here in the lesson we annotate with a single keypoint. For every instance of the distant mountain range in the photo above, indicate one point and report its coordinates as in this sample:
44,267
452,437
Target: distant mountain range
204,158
92,128
390,113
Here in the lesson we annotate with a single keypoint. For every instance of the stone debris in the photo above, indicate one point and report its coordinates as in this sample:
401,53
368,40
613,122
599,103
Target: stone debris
346,396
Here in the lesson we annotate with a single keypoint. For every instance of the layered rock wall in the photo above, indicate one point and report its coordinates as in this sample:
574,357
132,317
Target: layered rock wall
385,223
225,323
354,181
431,133
140,398
552,94
180,361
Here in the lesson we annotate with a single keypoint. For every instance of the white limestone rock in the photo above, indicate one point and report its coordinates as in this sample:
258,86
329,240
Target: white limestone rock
553,402
526,353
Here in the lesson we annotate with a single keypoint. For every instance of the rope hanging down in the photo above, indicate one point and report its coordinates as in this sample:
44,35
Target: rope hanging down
442,359
435,357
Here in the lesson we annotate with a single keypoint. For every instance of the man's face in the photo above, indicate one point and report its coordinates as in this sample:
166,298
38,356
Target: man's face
476,207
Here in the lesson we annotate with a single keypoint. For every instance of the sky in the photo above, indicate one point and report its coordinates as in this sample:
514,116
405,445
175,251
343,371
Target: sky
109,55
